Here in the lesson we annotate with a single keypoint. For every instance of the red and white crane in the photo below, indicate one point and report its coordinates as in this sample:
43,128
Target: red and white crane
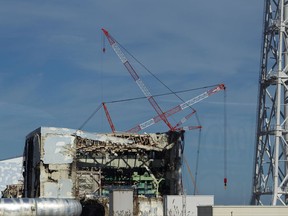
161,116
177,109
108,117
136,78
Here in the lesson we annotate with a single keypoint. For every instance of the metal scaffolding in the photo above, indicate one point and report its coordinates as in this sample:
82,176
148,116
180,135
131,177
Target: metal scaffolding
270,177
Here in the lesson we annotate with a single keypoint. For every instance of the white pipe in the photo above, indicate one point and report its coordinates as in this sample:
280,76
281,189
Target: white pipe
39,207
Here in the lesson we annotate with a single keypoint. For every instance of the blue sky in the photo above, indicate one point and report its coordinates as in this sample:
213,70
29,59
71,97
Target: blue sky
53,73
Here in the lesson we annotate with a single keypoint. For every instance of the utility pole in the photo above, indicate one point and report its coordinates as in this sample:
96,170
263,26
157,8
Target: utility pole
270,177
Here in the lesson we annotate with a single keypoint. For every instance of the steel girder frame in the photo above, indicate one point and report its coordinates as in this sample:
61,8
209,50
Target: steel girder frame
270,179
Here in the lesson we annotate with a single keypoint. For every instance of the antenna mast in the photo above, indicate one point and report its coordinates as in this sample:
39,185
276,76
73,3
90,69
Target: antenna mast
270,177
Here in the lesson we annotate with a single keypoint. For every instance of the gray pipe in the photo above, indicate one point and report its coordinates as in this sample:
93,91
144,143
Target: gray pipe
39,207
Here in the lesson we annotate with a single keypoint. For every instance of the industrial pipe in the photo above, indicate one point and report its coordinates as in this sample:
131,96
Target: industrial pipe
39,207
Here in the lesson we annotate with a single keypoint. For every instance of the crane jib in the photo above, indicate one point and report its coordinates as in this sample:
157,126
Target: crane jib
131,70
119,53
147,124
194,100
136,78
178,108
143,88
161,115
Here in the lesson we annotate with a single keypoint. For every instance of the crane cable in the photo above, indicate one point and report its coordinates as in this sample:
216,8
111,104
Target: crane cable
137,98
197,162
196,115
90,117
101,73
225,140
176,94
158,95
191,175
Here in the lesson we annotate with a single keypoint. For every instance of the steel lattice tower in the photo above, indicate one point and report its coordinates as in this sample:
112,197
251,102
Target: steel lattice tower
270,177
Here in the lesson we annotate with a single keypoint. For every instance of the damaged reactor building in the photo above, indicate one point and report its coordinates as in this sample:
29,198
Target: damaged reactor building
95,169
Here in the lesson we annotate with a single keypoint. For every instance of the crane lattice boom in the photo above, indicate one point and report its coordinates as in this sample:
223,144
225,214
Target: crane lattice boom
176,109
136,78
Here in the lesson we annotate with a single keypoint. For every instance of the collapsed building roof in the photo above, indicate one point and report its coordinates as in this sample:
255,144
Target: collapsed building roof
68,163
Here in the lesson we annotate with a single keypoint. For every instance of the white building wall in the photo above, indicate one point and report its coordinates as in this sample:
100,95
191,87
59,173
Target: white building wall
10,172
150,206
185,204
121,202
242,210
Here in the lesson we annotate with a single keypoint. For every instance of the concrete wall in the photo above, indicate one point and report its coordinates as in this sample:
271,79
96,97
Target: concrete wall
150,206
242,210
10,172
121,202
185,204
49,169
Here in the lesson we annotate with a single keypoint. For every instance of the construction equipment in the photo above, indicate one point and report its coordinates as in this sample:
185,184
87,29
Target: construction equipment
177,109
137,79
162,116
170,112
108,117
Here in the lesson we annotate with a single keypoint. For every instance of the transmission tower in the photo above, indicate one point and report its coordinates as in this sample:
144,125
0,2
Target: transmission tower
270,177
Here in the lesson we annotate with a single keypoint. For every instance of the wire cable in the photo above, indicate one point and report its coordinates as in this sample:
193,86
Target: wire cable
225,140
158,95
191,175
137,98
90,117
197,162
196,115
